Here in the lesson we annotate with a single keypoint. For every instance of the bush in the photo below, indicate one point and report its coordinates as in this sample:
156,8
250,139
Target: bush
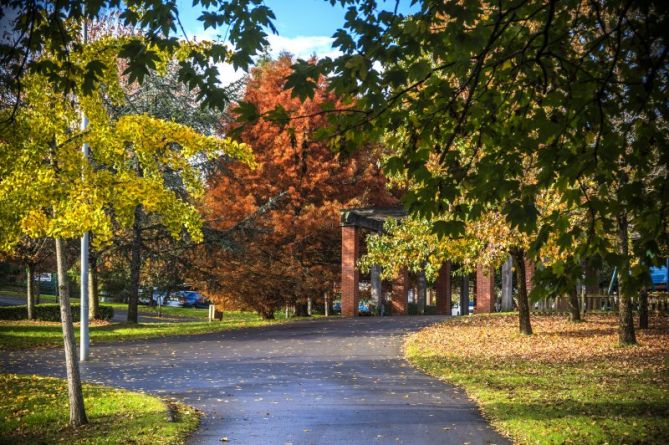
429,310
49,312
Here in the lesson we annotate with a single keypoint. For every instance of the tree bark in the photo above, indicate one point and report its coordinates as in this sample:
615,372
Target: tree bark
421,291
135,265
507,285
643,309
574,305
626,335
523,301
326,301
75,394
30,289
93,295
464,295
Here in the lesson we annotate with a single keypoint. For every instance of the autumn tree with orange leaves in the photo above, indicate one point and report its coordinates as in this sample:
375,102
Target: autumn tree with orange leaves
281,219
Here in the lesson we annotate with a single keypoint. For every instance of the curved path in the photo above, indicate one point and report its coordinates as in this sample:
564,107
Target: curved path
332,381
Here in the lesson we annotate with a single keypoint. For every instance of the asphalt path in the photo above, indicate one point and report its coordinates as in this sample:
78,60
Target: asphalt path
327,381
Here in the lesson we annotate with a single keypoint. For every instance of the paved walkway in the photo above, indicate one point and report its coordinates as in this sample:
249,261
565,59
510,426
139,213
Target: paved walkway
334,381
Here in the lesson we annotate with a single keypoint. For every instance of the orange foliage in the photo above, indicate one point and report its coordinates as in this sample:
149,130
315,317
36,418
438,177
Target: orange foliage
284,215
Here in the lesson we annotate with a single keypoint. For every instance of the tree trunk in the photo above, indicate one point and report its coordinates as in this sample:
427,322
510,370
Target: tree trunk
523,301
421,292
30,289
574,305
643,309
76,397
326,301
507,285
626,335
135,265
377,288
309,304
93,295
464,296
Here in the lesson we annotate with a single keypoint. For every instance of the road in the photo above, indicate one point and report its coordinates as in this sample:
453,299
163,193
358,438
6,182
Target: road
327,381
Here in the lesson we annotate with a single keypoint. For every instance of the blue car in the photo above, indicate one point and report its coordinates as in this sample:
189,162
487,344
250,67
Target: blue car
658,276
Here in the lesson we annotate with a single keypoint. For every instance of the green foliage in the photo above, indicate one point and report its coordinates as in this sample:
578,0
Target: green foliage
49,312
34,410
500,106
155,27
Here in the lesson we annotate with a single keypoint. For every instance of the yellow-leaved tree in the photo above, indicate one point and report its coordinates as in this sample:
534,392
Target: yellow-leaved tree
48,188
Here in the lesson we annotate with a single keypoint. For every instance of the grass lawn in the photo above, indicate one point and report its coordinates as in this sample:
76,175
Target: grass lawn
569,383
25,334
34,410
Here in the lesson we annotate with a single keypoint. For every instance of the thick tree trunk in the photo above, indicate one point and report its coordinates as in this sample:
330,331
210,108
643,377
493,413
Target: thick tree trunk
135,265
93,295
643,309
507,285
523,301
626,335
30,291
574,305
464,295
421,291
75,394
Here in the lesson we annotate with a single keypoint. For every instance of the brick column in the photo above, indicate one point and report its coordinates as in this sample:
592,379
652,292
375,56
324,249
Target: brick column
443,288
350,276
485,289
400,300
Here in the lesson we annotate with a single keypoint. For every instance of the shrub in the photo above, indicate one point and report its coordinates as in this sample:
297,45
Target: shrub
48,312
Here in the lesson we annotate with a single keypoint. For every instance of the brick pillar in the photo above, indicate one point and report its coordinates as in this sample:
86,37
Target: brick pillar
400,300
485,289
443,287
529,274
350,250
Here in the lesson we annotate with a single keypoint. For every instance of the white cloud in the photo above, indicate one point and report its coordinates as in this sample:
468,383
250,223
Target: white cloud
302,46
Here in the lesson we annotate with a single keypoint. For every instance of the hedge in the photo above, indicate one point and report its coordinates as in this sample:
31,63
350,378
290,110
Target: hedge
48,312
429,310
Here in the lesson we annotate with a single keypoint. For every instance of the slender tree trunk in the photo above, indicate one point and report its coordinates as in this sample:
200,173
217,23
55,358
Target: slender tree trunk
507,285
523,301
464,295
421,292
93,295
30,289
574,305
643,309
135,265
326,301
626,335
75,394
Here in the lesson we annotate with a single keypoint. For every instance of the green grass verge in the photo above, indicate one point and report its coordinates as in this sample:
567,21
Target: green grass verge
561,386
35,411
27,334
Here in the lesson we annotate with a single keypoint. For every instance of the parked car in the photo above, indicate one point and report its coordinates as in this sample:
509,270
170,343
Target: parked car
455,310
184,299
365,308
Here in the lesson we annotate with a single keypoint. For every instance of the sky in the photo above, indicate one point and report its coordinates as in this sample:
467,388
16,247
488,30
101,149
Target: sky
305,27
